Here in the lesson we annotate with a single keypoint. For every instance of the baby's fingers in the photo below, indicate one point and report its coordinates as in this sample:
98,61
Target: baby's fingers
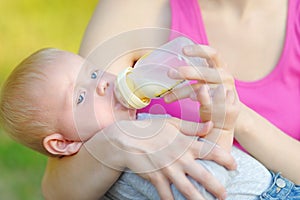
230,97
202,95
219,95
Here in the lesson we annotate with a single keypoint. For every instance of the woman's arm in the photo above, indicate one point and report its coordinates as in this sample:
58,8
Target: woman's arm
272,147
119,32
77,177
119,27
155,149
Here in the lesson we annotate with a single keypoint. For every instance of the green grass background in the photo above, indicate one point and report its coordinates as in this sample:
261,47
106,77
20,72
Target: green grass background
26,26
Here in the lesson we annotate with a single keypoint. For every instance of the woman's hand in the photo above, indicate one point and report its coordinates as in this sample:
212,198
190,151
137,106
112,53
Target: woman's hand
157,150
251,130
213,75
213,87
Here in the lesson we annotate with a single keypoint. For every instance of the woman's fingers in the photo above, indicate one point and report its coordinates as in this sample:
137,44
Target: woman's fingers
220,156
187,91
206,52
206,179
213,74
187,166
166,156
203,96
184,185
183,92
192,128
201,74
162,185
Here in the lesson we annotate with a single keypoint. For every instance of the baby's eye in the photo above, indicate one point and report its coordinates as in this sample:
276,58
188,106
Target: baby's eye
80,98
94,75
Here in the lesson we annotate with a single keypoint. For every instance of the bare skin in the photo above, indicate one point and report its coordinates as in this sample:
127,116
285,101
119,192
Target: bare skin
247,28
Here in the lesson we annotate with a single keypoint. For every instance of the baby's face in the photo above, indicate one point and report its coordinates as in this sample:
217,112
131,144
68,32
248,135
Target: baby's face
82,98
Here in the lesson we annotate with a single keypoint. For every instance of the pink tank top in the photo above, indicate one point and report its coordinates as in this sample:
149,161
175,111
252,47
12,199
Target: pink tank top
276,96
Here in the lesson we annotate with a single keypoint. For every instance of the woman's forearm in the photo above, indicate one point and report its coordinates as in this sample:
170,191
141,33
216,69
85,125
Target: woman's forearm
81,176
275,149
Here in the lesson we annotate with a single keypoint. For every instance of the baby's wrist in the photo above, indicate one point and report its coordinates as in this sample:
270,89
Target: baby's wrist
221,137
227,127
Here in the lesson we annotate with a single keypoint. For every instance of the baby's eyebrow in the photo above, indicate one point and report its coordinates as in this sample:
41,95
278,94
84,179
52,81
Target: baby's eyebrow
69,93
86,66
100,72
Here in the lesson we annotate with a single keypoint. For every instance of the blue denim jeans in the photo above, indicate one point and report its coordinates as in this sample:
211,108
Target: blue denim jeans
281,188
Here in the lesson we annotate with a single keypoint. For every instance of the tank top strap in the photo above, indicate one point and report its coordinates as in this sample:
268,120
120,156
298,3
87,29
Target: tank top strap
187,20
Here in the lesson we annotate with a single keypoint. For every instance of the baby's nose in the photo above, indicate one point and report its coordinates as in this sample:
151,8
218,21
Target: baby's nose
101,87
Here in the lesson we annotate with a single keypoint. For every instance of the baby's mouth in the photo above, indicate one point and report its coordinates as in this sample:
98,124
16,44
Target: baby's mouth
120,106
117,104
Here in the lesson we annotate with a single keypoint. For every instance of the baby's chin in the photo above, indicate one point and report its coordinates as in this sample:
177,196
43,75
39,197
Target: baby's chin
129,114
132,114
124,113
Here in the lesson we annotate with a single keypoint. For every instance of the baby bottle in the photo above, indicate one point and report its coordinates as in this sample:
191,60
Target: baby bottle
135,87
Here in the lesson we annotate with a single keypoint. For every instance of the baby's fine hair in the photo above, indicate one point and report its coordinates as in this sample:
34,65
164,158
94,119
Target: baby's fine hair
21,114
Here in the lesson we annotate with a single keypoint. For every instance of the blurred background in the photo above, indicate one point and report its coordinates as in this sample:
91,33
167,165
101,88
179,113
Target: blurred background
26,26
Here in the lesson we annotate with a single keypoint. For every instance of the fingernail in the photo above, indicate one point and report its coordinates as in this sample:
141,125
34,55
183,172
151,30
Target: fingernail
234,166
173,73
224,196
167,98
193,96
187,49
204,88
208,125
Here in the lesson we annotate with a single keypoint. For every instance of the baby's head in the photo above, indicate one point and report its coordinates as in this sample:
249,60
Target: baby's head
53,101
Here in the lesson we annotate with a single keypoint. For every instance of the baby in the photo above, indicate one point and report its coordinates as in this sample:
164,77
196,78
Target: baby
54,101
42,93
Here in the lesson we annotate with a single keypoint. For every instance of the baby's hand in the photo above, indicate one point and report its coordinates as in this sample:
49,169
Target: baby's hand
219,106
222,108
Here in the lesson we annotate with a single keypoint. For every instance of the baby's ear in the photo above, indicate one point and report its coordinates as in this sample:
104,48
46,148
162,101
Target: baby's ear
56,144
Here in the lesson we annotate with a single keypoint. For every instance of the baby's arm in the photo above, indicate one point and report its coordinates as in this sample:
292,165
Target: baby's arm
222,108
